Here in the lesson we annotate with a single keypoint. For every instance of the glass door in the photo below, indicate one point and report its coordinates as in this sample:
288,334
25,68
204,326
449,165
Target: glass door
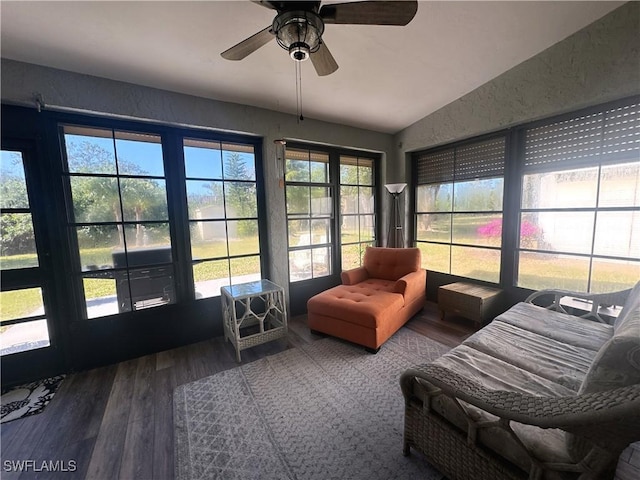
331,217
309,215
357,209
27,341
309,196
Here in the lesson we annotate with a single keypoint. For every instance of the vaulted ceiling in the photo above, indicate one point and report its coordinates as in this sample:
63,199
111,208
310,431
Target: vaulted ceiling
389,77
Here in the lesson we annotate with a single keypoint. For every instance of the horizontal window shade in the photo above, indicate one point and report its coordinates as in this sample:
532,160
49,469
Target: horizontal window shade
604,137
234,147
108,133
483,159
212,145
480,160
435,167
622,134
363,162
568,144
293,154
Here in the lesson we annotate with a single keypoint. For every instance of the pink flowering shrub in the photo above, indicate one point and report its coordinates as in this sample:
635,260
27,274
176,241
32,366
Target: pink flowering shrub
494,229
528,229
491,229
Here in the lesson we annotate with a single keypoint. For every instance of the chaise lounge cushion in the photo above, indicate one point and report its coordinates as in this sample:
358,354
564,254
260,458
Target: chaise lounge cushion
374,300
391,263
367,303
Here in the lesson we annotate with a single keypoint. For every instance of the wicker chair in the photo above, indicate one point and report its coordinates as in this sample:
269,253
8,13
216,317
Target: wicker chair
470,429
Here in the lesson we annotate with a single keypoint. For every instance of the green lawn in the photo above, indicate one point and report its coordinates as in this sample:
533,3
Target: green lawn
536,271
18,261
18,303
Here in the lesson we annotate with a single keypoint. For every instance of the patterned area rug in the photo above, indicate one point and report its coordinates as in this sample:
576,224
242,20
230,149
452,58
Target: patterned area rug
326,410
28,399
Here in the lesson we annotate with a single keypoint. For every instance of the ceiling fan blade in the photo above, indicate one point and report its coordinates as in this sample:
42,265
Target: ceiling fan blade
323,61
370,12
249,45
265,3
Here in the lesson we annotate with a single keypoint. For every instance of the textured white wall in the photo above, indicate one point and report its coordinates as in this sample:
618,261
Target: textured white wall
597,64
65,90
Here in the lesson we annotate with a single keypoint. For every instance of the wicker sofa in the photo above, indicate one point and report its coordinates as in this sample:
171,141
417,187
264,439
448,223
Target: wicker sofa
536,394
374,300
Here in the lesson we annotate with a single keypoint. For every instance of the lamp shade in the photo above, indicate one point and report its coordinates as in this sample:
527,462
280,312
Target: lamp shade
395,187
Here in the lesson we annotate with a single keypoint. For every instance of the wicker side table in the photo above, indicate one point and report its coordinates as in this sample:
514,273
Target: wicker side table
475,302
238,303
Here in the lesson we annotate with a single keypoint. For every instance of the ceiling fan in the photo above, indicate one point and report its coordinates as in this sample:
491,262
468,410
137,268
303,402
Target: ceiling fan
298,27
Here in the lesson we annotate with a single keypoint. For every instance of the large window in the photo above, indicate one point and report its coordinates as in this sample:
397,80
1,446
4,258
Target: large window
223,214
580,206
357,209
571,205
118,215
458,209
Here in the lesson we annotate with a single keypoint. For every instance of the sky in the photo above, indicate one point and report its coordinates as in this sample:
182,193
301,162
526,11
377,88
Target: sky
8,165
147,157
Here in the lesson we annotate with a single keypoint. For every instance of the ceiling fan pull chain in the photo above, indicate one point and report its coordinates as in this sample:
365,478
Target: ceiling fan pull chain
295,69
300,81
298,92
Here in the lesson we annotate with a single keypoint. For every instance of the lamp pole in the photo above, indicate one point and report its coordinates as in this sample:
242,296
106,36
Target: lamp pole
395,236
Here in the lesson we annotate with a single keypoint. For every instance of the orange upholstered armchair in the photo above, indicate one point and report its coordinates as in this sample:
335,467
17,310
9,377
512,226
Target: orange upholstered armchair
374,300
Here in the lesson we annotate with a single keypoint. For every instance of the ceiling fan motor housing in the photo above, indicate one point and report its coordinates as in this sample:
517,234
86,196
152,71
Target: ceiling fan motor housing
299,32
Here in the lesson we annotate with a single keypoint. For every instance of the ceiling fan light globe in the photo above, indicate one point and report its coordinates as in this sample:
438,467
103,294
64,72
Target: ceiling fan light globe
298,27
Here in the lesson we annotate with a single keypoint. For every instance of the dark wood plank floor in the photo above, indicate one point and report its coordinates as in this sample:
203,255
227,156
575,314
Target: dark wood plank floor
116,422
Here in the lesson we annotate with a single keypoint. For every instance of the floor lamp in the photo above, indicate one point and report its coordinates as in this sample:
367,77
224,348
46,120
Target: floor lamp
395,237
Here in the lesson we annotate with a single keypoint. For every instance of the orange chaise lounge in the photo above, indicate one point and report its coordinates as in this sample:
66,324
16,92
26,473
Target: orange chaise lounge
374,300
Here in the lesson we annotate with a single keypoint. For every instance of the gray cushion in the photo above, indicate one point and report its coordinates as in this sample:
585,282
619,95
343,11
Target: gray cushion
616,365
559,362
559,326
632,303
498,374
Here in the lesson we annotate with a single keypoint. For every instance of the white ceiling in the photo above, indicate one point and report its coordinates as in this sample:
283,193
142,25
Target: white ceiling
389,77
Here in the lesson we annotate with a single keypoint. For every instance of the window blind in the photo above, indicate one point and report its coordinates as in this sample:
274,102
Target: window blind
480,160
294,154
435,167
621,137
484,159
213,145
610,136
356,161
